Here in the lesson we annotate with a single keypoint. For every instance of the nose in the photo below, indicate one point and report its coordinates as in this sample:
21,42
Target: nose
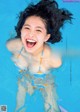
32,33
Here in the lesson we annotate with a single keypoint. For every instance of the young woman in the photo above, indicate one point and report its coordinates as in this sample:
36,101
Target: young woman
38,24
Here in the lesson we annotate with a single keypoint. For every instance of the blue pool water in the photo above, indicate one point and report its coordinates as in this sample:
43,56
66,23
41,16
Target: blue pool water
67,77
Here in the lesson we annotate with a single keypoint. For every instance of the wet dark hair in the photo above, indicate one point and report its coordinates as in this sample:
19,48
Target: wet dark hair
47,10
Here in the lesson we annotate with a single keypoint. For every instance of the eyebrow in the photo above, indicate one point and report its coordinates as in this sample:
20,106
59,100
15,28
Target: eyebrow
30,26
26,25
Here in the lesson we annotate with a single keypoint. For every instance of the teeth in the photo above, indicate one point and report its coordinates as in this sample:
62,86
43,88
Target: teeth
31,41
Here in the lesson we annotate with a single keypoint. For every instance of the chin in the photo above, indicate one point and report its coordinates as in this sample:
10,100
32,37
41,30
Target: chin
31,51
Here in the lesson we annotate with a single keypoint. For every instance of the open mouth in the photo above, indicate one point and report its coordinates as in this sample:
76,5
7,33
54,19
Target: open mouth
30,43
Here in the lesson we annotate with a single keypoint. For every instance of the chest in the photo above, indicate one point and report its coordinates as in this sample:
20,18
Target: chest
41,62
42,65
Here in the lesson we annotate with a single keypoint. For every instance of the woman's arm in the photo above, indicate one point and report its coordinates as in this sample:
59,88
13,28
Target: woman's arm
14,45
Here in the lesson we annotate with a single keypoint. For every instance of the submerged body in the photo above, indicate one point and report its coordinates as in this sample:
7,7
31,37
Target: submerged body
36,74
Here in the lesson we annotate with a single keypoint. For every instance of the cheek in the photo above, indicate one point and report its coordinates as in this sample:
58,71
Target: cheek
23,34
40,39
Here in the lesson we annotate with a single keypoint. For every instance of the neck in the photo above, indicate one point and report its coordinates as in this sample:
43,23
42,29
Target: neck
38,53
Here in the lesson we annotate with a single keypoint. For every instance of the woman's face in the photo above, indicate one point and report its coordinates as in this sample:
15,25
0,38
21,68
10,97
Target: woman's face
34,34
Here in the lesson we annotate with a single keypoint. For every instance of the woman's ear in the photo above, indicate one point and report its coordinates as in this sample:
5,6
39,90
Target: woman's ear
47,37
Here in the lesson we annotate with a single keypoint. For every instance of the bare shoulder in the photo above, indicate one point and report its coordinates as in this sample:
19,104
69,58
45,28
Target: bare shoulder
14,45
54,57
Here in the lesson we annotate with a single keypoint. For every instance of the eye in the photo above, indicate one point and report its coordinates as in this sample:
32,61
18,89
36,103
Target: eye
26,28
38,30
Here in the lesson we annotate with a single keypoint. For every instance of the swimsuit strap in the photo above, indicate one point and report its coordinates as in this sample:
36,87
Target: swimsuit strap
41,60
20,52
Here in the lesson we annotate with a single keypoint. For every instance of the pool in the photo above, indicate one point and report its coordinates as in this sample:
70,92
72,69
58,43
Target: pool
67,77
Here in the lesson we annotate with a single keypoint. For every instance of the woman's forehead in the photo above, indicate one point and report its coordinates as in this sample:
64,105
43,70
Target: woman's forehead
35,20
